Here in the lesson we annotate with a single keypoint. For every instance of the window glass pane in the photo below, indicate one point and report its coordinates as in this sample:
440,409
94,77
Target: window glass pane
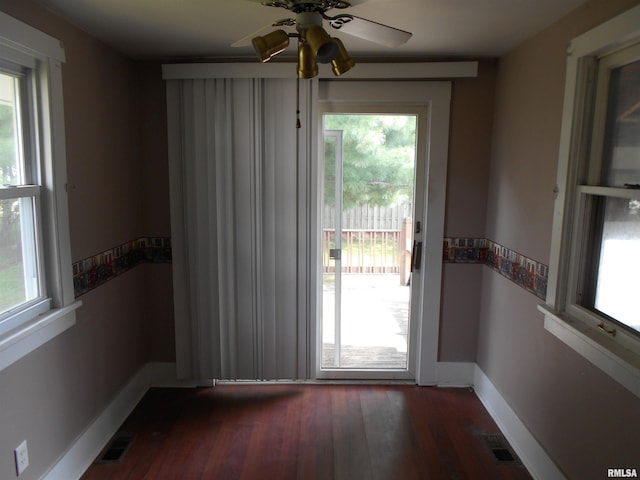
18,260
622,151
618,282
11,167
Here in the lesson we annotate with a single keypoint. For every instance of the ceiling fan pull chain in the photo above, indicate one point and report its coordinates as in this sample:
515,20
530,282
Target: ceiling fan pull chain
298,124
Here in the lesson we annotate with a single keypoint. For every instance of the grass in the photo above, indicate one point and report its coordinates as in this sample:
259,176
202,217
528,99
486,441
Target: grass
11,286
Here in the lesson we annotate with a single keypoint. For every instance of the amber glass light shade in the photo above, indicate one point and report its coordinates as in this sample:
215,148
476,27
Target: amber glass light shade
268,46
307,65
324,47
343,62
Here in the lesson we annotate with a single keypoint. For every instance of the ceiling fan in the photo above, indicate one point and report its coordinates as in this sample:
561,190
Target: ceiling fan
315,45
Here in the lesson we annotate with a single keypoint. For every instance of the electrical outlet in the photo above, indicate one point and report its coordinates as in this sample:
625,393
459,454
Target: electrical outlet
22,457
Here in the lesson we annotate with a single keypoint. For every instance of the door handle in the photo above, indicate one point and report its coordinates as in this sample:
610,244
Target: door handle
335,253
416,255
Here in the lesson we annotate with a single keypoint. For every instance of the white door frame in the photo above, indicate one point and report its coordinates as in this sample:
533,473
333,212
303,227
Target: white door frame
436,97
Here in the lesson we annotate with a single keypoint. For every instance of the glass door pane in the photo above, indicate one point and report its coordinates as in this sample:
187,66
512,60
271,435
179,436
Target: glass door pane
369,170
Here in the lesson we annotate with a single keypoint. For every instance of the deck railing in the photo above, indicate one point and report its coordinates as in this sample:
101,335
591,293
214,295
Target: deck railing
365,251
374,240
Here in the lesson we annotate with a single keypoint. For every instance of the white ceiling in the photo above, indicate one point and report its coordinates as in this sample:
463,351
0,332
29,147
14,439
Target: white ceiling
205,28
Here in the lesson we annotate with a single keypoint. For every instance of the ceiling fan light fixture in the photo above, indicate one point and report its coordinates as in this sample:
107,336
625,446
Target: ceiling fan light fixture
343,62
324,47
270,45
307,65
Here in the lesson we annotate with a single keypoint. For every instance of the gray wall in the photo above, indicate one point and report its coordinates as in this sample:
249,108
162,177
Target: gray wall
472,104
585,421
51,396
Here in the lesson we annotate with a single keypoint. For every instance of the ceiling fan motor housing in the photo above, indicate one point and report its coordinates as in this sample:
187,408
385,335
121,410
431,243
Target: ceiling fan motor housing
309,25
306,20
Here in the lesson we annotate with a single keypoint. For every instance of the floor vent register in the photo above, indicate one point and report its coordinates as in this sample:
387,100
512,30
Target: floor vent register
116,449
501,449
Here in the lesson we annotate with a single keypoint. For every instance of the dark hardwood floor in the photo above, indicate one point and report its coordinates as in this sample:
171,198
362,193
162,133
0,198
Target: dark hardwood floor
307,432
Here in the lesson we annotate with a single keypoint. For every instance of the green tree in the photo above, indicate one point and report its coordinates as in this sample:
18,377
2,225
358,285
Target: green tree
8,217
378,155
7,147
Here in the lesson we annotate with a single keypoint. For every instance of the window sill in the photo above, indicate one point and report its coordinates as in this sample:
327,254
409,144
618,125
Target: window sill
23,340
616,361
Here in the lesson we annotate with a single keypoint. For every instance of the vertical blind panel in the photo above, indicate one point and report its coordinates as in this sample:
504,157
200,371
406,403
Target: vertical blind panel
199,253
307,231
279,223
201,248
181,307
222,110
235,220
216,115
243,223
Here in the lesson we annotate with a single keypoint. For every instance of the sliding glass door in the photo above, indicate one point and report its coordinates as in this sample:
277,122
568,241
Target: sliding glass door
370,250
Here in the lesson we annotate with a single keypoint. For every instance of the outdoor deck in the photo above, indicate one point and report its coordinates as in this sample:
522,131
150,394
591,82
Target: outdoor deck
374,321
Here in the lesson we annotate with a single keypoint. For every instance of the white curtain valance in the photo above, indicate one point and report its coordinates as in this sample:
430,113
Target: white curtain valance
239,203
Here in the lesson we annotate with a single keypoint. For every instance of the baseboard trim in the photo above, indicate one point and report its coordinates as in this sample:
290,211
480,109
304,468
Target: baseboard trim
531,453
87,447
89,444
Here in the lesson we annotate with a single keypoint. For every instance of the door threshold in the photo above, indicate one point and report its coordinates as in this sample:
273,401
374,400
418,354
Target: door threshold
328,381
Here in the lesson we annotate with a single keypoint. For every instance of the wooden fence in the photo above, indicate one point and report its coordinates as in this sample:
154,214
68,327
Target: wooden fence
368,217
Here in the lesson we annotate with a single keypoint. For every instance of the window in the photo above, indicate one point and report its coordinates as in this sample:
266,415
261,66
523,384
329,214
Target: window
606,264
22,285
36,288
593,301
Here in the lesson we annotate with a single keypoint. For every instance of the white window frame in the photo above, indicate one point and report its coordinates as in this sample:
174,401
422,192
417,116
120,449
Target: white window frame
581,329
38,322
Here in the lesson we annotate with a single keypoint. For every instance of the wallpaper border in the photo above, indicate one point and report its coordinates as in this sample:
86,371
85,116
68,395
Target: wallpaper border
91,272
525,272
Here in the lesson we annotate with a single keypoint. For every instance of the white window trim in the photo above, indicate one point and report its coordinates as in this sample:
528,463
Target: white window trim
580,331
23,44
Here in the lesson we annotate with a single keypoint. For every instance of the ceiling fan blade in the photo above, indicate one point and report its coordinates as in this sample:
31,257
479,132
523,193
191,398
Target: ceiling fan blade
370,30
246,41
353,3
